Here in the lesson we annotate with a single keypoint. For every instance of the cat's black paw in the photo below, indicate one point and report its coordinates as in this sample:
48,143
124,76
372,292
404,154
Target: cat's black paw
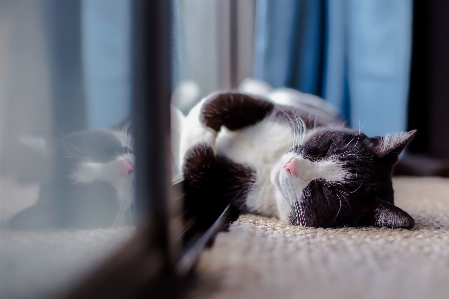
199,165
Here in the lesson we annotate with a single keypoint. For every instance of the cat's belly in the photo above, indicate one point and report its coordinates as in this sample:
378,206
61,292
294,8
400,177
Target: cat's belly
258,147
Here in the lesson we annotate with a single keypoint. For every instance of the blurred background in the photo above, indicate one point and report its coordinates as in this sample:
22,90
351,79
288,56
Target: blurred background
383,64
66,66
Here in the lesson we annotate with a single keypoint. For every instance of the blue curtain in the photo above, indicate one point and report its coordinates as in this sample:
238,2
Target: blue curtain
106,39
355,54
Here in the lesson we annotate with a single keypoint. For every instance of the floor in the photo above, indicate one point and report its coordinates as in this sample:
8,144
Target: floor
264,258
40,263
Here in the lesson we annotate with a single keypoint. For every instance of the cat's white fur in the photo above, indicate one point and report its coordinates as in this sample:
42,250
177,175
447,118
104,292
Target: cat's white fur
259,147
195,132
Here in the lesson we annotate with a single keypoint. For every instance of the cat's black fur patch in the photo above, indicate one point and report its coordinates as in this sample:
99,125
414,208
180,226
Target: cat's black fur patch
237,180
199,165
210,181
234,111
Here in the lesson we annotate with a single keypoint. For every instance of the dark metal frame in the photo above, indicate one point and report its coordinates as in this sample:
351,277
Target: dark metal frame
152,264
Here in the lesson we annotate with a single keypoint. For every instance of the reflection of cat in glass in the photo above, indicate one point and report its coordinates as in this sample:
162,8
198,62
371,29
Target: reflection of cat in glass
91,185
297,163
92,182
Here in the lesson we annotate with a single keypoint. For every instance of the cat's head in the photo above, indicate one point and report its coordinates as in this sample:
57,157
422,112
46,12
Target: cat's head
92,156
83,157
341,177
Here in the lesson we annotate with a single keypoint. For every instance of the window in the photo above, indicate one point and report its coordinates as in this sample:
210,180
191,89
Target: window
66,87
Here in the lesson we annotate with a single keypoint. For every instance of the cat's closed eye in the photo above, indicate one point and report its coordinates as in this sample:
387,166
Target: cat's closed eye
127,150
318,151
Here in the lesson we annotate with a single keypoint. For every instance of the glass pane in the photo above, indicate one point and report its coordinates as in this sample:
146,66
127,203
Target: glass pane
66,151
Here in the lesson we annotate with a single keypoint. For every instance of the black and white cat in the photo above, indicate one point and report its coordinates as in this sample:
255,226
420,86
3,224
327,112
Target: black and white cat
295,162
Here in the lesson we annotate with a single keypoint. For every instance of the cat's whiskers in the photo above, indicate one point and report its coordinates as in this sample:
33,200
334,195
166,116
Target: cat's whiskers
122,213
70,152
126,137
126,211
297,137
348,152
360,128
65,138
293,125
125,205
358,136
327,198
301,128
342,193
349,142
339,209
120,218
356,189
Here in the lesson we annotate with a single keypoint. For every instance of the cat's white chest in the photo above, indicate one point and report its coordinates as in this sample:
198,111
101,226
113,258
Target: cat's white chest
259,147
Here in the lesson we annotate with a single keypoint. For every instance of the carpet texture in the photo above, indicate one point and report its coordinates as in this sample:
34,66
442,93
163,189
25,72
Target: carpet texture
265,258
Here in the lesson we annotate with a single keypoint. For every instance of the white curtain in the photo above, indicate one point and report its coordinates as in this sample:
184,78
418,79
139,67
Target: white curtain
214,44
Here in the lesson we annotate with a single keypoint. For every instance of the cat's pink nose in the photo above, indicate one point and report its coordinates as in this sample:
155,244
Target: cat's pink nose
292,167
127,168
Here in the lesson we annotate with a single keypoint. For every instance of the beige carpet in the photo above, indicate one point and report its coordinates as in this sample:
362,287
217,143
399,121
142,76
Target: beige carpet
265,258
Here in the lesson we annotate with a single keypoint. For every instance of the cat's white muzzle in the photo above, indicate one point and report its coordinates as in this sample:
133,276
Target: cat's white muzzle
293,173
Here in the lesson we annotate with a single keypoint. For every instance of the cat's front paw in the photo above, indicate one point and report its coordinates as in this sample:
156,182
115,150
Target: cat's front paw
199,164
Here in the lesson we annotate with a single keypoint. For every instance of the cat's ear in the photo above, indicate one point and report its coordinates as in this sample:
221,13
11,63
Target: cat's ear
392,145
385,214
